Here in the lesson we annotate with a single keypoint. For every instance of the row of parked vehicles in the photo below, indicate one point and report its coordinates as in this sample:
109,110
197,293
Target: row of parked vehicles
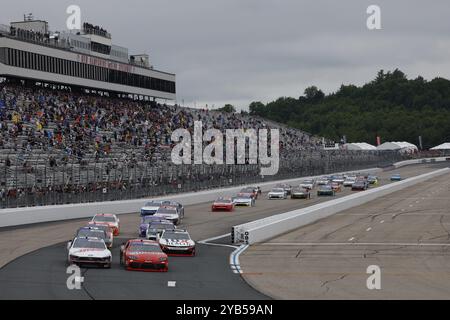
158,239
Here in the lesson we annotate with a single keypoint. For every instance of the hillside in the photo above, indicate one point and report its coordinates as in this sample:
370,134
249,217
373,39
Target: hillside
391,106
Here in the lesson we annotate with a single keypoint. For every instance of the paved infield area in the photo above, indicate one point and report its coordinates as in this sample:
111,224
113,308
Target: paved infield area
33,257
407,234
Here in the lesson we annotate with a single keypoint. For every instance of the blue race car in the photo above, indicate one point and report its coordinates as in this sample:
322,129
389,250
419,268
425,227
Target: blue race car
396,177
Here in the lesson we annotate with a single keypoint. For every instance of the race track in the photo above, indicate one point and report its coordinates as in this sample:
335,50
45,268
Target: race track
34,257
406,234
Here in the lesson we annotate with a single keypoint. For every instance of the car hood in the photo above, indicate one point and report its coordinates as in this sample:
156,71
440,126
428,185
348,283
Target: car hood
147,255
177,242
167,215
89,252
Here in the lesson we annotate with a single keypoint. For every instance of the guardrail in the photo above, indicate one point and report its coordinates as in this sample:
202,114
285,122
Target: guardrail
265,229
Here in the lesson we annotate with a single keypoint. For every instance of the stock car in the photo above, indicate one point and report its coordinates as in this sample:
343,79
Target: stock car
336,187
325,190
151,207
170,213
107,218
89,251
277,193
94,232
177,242
300,193
372,180
145,221
307,184
349,181
323,181
360,185
338,179
175,204
155,229
243,200
286,187
253,191
223,204
396,177
143,255
109,233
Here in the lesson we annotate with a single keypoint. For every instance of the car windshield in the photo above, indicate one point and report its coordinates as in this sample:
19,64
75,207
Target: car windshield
278,190
176,236
144,247
104,219
91,233
327,187
88,243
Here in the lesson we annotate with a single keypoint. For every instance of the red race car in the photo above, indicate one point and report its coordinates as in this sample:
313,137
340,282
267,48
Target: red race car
143,255
223,204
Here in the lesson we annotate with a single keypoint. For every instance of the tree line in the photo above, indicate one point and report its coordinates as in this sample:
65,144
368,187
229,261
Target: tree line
390,106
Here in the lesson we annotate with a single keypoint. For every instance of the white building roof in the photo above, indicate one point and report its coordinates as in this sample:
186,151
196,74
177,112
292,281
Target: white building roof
444,146
360,146
403,145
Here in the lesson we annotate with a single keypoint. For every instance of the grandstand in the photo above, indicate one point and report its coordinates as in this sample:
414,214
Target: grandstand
80,121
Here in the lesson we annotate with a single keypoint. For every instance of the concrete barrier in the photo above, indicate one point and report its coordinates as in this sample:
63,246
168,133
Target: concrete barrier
265,229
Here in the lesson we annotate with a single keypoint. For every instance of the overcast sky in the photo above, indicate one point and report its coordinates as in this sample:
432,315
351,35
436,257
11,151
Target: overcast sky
239,51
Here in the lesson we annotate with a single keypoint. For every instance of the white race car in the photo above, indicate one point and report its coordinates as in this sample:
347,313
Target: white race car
89,251
169,213
277,193
151,207
307,184
244,200
349,181
176,242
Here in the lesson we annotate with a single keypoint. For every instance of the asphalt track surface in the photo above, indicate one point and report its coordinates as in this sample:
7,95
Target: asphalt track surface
33,258
406,234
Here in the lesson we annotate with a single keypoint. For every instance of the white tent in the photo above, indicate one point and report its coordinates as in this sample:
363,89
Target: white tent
400,146
359,146
444,146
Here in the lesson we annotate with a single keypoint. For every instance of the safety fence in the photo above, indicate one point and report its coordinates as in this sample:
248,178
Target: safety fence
38,184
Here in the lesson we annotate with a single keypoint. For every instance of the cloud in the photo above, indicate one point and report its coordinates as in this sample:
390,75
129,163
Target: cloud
257,50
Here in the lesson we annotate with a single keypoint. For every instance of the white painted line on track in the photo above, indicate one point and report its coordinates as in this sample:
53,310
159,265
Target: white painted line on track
214,238
324,244
368,229
234,258
382,221
171,284
351,239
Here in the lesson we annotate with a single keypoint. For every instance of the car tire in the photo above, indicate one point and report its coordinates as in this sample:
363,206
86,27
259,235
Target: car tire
108,266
